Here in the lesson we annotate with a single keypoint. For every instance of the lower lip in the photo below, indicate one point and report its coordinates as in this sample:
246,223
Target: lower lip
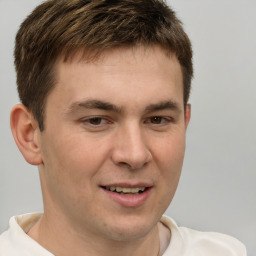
129,200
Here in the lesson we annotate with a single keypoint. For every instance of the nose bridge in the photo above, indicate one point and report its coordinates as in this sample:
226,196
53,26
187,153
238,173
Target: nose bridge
131,147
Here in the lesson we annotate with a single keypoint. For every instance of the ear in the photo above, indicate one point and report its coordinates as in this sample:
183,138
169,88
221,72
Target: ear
187,115
26,134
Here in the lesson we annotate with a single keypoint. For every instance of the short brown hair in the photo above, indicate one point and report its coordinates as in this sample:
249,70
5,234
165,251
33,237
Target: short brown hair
63,27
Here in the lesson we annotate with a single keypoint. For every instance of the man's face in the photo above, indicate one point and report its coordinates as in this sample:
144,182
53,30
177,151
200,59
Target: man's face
114,142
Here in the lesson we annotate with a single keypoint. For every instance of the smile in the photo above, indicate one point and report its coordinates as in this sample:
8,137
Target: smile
123,190
128,196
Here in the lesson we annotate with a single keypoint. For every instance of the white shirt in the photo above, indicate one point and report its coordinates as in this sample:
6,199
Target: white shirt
183,242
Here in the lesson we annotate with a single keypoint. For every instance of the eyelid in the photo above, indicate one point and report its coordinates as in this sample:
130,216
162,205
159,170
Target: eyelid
86,121
160,116
165,123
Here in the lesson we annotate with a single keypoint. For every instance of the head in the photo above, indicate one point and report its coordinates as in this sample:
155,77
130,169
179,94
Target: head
62,28
105,86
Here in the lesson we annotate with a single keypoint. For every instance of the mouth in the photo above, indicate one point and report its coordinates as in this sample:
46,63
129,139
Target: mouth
125,190
127,195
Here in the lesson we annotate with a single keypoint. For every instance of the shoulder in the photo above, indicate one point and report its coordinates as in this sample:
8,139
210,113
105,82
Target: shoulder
193,242
15,241
212,243
5,246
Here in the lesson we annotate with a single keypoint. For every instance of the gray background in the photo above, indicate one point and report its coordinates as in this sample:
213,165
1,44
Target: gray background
217,191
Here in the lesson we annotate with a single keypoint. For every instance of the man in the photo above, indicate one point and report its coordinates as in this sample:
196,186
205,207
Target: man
104,87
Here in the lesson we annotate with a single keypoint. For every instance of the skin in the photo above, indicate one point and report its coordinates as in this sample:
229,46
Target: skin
117,120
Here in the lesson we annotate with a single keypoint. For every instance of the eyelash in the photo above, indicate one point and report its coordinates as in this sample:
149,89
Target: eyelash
95,118
163,120
101,122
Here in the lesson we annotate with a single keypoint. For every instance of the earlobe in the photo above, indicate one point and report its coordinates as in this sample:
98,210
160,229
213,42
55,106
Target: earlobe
187,114
26,134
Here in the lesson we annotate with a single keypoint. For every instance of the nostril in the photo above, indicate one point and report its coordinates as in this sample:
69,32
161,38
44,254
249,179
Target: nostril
132,166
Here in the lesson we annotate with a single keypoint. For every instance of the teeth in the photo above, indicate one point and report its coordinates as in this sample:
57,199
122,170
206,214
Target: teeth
126,190
118,189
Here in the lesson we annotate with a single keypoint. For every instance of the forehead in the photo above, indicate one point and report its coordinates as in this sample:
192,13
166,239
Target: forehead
120,74
129,56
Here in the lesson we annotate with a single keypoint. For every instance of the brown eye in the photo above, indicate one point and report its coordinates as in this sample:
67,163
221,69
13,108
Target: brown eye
156,120
95,120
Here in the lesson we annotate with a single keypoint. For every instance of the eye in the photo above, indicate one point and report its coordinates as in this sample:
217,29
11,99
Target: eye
96,120
159,120
156,120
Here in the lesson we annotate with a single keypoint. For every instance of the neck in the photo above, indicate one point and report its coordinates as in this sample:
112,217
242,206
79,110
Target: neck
64,240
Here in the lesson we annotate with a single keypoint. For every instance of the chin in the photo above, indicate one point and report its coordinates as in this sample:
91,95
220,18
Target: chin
130,229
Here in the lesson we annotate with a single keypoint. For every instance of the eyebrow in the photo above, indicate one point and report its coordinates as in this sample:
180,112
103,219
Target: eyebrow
94,104
107,106
169,104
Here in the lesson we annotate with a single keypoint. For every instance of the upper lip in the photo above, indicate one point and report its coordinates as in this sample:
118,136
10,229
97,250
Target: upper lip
128,185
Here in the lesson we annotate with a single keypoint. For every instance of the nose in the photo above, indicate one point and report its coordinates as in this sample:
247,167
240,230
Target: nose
130,148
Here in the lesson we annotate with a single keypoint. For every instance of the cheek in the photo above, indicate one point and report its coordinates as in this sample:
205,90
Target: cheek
170,152
68,172
73,160
170,155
